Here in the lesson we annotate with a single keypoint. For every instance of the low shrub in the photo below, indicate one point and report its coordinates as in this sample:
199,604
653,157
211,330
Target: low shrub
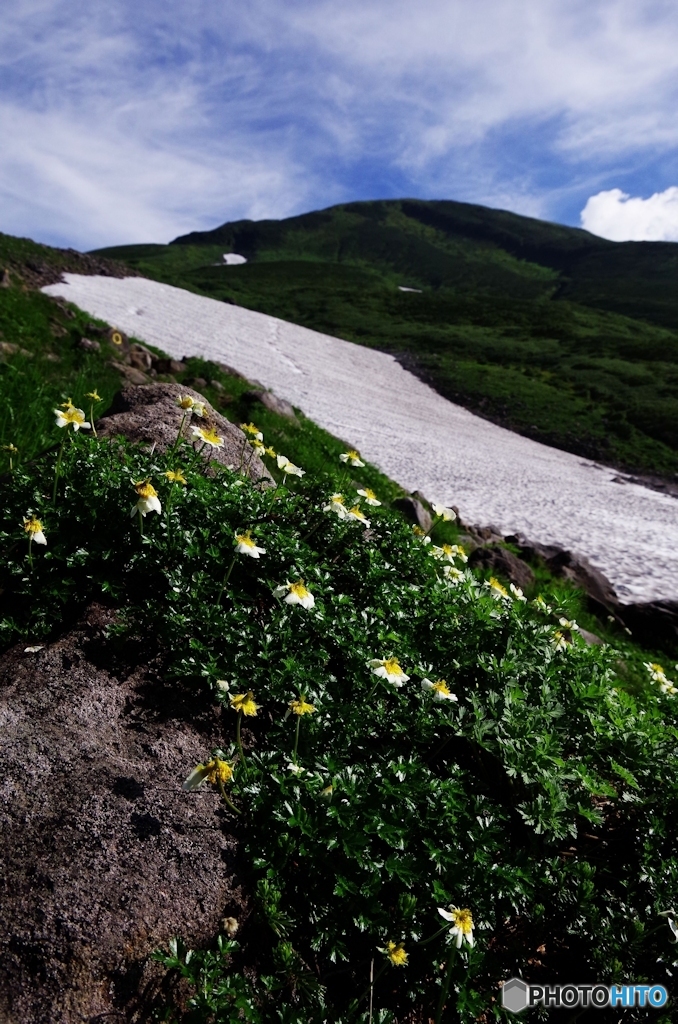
403,739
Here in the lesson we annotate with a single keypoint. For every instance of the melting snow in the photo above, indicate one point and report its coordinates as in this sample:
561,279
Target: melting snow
413,434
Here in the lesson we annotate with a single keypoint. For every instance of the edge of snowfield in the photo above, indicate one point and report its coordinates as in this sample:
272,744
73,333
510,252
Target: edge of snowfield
411,433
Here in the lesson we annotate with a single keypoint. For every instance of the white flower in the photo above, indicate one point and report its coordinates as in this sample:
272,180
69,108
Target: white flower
148,498
357,513
560,641
448,553
569,624
657,673
496,588
288,468
244,545
352,457
444,513
462,923
440,689
517,592
222,685
452,574
33,528
208,435
388,669
338,505
297,593
70,416
368,494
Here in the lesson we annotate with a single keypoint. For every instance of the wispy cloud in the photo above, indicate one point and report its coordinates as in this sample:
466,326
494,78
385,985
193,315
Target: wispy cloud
129,121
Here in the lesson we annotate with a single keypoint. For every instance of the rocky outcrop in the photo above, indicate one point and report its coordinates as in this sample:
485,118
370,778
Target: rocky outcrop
504,563
104,857
413,510
149,414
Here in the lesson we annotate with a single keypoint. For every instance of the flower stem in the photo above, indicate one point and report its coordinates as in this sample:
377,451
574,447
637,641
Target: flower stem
176,443
445,986
239,741
227,797
91,418
296,740
57,470
226,578
30,555
371,988
141,523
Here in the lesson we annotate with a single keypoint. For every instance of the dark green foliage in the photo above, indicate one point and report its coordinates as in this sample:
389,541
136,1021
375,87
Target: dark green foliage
548,330
543,799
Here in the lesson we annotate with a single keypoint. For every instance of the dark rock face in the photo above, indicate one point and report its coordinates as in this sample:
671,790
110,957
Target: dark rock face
104,856
503,563
413,510
149,414
654,623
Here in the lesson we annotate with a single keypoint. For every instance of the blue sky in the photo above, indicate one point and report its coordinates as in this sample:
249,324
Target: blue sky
138,121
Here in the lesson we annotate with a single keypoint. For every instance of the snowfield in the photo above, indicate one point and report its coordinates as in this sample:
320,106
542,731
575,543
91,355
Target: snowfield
418,438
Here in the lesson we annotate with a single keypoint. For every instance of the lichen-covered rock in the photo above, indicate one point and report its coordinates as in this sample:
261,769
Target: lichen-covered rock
149,414
103,857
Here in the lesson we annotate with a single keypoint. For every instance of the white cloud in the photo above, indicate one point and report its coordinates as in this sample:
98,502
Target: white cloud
621,218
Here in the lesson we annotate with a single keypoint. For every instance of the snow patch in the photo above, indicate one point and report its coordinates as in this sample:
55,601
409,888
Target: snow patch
413,434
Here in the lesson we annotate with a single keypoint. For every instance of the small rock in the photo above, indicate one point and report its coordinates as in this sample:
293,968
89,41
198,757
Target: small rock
52,357
173,366
217,385
140,357
88,345
502,562
225,368
272,402
592,639
197,382
131,373
5,281
413,510
8,348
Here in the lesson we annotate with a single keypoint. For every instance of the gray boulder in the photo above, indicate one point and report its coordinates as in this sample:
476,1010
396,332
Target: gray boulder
149,414
504,563
104,857
413,510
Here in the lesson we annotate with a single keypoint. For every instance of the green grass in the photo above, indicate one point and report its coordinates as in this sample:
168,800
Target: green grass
551,332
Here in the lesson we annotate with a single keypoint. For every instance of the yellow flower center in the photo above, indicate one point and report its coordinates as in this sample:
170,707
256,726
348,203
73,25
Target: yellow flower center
392,667
357,512
73,415
32,526
369,493
462,920
246,539
94,396
175,477
244,703
496,585
210,436
218,771
145,489
397,954
442,687
299,590
250,428
353,454
656,668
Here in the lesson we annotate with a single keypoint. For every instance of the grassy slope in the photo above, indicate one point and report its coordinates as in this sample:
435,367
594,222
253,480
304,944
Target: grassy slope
559,335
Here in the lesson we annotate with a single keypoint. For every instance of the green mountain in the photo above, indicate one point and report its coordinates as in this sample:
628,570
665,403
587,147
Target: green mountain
548,330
